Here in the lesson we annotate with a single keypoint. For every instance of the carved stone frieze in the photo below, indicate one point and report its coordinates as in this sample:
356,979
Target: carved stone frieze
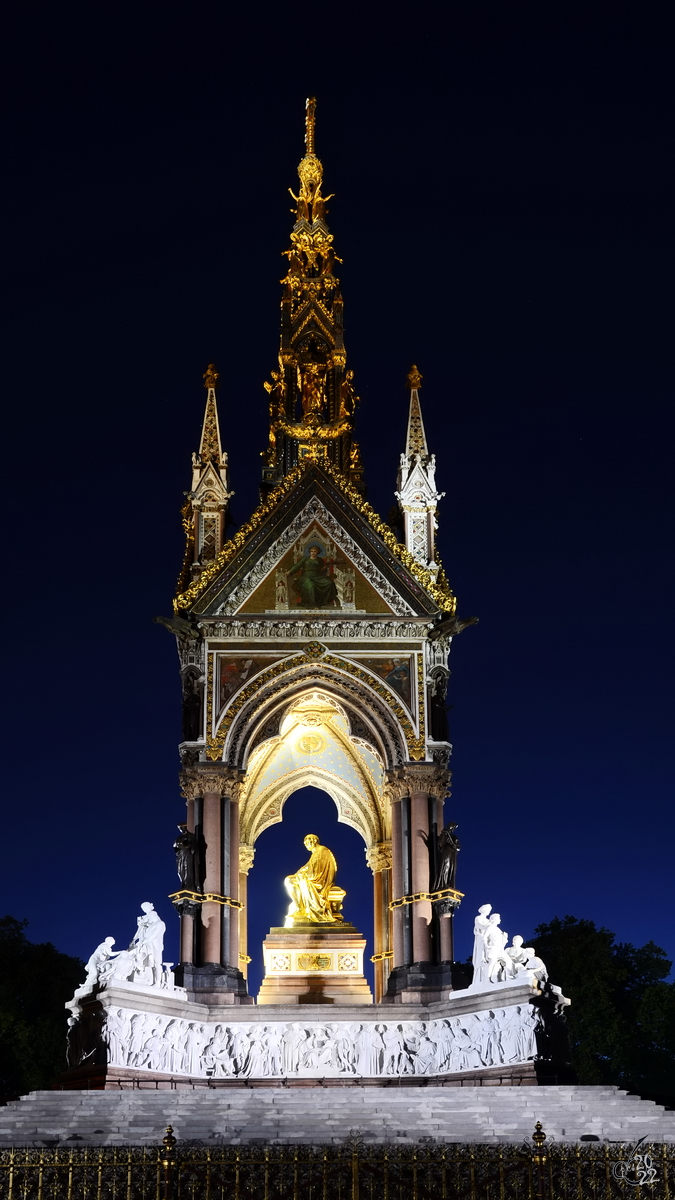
307,1048
378,857
317,628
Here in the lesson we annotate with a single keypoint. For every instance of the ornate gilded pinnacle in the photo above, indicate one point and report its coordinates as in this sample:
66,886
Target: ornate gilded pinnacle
414,378
210,376
310,119
538,1137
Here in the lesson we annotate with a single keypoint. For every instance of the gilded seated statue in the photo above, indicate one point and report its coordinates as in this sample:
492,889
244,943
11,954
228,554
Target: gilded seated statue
310,887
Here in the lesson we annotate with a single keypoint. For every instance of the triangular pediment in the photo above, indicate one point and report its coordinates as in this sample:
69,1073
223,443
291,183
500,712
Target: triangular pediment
322,568
210,481
357,565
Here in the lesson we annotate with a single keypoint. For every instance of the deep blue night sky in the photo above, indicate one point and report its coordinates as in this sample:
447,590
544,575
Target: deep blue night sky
504,199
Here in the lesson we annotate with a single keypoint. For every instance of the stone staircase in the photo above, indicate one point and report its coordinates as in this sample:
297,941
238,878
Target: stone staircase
321,1115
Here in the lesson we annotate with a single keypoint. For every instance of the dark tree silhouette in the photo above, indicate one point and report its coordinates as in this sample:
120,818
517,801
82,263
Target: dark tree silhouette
622,1016
35,982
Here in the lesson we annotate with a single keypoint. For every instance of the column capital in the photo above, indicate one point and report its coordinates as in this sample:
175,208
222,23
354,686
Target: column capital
429,778
210,777
378,857
246,856
395,789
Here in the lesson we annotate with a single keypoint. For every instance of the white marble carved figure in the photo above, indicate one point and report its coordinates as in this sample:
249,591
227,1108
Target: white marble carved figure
97,969
517,954
479,958
147,946
498,961
140,963
535,965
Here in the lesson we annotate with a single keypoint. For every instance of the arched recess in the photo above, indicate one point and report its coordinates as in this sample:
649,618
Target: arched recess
238,730
314,725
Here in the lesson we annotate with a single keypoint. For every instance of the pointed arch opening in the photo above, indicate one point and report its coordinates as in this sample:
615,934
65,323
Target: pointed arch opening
279,851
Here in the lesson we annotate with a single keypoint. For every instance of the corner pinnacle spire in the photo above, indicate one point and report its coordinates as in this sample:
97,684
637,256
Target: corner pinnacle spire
416,441
417,496
205,512
209,446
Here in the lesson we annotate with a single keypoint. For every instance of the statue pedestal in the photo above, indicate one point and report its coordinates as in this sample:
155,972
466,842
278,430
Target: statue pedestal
314,964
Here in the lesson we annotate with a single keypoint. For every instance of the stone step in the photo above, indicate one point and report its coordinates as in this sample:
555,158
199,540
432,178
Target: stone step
314,1115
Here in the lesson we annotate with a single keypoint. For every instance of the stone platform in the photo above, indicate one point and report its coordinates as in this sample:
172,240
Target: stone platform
318,1115
314,964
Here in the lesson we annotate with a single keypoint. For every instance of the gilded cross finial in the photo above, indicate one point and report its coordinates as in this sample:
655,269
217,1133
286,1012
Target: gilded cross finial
414,378
310,119
210,376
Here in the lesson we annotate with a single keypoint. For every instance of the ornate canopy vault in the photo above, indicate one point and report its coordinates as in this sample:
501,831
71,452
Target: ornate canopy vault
315,745
313,644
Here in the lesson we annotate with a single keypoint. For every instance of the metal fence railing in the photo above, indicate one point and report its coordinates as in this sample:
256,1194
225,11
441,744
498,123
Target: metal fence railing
534,1170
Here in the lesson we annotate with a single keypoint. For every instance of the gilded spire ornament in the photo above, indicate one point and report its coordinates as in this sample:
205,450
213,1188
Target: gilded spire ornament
311,398
414,378
210,376
310,121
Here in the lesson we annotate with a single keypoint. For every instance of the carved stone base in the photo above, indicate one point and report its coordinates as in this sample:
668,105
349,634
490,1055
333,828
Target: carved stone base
116,1079
314,964
213,984
420,983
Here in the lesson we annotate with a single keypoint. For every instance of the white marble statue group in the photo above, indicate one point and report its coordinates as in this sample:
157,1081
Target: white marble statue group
494,962
171,1045
141,963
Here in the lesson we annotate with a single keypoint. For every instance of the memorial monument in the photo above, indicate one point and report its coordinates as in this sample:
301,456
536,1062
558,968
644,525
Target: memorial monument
313,649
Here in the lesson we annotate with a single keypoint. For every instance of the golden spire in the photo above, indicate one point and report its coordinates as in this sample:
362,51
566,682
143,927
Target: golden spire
310,121
416,441
310,202
311,397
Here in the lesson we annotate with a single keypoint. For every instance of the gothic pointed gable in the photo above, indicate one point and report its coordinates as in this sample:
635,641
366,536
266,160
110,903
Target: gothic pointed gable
315,544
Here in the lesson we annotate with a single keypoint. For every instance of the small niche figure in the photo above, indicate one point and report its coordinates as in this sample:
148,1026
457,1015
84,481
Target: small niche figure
192,710
448,849
439,711
185,847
